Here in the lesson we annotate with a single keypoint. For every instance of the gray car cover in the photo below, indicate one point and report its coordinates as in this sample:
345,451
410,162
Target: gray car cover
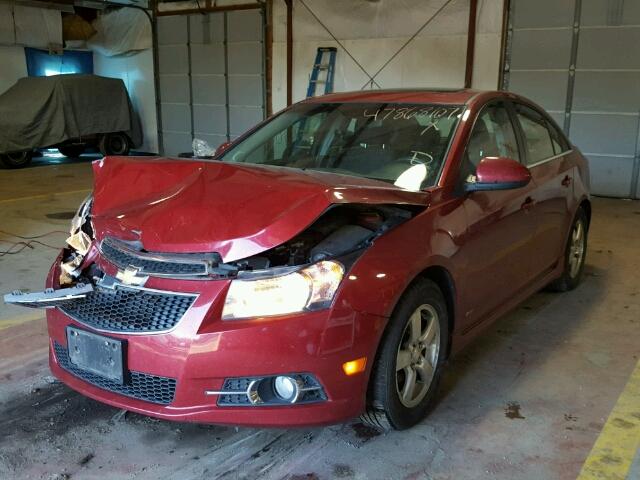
40,112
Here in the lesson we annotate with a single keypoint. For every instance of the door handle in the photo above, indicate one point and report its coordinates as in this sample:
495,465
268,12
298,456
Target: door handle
566,181
527,204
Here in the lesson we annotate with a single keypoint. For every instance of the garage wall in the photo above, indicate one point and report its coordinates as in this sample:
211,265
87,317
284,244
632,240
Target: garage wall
374,31
137,73
211,72
14,66
579,60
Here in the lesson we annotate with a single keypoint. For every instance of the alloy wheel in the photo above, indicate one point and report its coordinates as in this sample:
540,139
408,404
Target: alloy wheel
576,249
417,355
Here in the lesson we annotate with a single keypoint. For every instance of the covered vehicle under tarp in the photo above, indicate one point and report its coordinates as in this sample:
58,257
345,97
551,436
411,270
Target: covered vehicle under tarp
39,112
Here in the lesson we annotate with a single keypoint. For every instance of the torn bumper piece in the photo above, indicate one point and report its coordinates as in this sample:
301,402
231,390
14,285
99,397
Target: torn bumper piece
49,298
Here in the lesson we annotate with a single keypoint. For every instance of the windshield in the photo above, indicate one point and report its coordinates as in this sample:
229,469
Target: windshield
397,143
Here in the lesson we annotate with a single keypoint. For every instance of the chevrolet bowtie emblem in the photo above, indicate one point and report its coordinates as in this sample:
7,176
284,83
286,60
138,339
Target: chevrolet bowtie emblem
129,276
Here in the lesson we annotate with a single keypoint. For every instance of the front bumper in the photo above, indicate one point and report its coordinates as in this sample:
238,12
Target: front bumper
202,351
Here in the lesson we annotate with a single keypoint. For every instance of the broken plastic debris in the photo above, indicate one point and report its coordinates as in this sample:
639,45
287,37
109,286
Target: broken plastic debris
202,149
49,297
80,242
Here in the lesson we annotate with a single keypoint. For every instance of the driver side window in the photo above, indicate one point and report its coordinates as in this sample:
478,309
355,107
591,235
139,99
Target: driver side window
492,136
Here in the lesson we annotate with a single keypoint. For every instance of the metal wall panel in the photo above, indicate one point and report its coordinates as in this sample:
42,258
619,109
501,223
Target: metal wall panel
543,13
610,175
173,72
541,49
211,76
610,12
246,67
605,133
609,47
607,91
578,59
548,89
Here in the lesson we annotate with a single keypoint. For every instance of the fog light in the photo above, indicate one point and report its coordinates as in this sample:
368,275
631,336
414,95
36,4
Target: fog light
286,388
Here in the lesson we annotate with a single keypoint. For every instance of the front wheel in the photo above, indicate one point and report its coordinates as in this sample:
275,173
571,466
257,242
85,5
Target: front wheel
16,159
574,256
410,360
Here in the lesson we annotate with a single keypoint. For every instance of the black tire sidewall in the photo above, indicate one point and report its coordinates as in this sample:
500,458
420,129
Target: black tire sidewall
106,144
400,416
8,162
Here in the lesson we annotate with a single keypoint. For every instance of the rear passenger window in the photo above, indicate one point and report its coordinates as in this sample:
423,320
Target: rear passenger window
560,144
537,137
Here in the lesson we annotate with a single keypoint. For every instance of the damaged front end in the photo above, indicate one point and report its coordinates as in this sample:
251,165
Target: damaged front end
74,287
302,274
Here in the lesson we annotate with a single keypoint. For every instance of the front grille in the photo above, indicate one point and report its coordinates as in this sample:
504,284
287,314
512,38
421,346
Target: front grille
141,386
125,309
122,257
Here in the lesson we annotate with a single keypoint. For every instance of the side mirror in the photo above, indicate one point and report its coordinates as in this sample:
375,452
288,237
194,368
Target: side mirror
221,148
499,173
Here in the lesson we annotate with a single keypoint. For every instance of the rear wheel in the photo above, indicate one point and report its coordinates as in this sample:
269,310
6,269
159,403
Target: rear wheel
575,254
71,151
16,159
114,144
410,360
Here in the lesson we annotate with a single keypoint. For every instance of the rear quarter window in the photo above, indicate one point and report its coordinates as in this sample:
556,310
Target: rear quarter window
537,137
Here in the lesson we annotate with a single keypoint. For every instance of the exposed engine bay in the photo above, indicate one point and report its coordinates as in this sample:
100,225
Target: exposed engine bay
342,229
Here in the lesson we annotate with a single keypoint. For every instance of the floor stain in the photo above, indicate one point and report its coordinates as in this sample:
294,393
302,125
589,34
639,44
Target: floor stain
512,411
621,423
60,215
363,432
86,459
341,470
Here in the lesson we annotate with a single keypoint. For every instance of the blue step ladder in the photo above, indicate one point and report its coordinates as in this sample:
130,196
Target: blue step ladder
318,66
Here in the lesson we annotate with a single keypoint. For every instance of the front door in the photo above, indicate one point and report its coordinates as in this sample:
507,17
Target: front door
500,226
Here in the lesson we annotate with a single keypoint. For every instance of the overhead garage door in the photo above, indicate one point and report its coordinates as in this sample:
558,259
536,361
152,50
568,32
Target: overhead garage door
211,76
579,59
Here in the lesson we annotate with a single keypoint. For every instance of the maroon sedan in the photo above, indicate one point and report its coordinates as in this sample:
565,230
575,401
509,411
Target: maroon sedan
323,266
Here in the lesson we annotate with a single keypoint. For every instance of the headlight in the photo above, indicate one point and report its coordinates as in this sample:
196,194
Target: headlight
311,288
81,233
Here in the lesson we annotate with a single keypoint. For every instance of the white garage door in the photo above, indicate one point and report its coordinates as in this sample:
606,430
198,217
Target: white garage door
211,75
580,60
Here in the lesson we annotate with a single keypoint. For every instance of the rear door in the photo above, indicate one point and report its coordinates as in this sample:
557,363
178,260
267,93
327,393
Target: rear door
500,226
546,155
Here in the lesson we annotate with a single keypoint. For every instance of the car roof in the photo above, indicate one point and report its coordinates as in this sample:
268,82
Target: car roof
458,96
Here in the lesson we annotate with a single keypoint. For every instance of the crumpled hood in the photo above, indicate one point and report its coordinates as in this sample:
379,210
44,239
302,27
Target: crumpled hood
236,210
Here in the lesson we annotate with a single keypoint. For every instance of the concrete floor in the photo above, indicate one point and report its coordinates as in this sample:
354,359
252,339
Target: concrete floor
526,401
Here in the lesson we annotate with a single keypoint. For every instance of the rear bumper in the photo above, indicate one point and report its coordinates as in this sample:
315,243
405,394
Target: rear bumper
202,351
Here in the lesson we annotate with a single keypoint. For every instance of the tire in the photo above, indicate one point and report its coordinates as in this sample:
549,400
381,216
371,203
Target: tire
16,159
390,405
114,144
71,151
574,255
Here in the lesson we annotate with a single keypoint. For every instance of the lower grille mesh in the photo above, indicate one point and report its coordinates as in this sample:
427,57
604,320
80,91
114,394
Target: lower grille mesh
124,309
141,386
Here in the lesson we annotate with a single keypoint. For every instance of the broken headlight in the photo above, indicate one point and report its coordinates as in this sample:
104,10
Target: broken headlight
310,288
80,238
